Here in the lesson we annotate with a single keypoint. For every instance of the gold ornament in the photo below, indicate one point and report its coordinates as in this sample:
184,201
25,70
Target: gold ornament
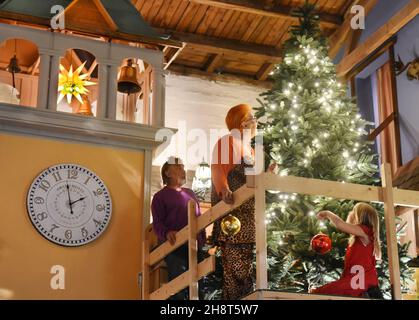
230,225
72,83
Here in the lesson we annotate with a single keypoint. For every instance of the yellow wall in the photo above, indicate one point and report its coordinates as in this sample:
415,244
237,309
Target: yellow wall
106,268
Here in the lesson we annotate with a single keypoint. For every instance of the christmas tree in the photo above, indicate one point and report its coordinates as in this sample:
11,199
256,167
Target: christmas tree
311,128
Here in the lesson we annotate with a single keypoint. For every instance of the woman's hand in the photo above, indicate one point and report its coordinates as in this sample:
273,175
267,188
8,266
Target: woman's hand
227,195
171,237
323,215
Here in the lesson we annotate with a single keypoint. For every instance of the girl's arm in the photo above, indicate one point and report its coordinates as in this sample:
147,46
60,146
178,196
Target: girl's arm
343,226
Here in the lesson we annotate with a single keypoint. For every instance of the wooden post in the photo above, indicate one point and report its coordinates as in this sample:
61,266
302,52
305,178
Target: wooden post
390,220
146,269
260,208
193,251
392,61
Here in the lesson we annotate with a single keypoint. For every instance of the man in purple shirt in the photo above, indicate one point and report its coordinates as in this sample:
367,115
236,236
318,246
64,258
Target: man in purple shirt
170,214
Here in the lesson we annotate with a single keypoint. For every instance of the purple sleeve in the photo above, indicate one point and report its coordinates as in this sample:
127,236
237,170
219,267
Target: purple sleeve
158,212
198,208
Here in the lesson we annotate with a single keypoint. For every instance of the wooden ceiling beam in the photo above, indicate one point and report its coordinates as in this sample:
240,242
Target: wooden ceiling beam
268,10
225,46
264,71
340,36
212,62
378,38
231,78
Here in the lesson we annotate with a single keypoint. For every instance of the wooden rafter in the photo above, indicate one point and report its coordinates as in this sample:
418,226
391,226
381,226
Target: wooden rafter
398,21
229,46
212,62
171,54
232,78
339,37
268,10
264,71
353,41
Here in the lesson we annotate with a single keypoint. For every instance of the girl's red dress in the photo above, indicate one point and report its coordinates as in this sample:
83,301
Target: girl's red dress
356,255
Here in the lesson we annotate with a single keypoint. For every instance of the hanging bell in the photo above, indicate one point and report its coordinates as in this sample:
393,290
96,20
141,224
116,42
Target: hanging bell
85,108
128,82
13,68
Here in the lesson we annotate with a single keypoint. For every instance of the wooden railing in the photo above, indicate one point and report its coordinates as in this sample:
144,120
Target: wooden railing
256,186
187,234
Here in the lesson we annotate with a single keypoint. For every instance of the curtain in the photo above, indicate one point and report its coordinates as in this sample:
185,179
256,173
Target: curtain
385,108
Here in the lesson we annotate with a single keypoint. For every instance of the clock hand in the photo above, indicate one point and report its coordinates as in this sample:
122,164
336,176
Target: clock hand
77,200
69,199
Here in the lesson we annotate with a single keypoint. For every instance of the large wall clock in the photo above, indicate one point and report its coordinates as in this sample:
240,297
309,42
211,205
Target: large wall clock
69,205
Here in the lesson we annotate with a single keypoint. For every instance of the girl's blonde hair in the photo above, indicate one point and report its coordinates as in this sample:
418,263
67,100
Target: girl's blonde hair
366,215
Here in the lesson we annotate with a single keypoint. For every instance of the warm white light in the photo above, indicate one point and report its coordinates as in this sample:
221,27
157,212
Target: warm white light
346,154
311,213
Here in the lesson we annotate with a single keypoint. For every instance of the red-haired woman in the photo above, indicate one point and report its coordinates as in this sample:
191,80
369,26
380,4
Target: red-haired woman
231,155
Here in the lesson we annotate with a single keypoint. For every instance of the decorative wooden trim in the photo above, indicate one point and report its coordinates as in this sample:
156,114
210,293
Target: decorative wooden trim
390,220
73,127
273,11
205,267
383,125
398,21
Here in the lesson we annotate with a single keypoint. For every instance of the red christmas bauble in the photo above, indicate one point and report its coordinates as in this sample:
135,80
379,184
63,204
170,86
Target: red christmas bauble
321,243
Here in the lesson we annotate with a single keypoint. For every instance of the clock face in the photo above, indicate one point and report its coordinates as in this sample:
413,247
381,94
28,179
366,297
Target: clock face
69,205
